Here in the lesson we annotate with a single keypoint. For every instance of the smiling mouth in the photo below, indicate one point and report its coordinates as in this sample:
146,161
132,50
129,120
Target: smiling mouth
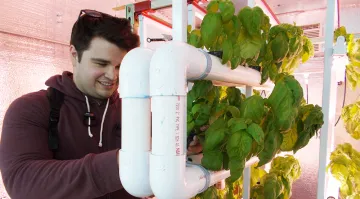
106,83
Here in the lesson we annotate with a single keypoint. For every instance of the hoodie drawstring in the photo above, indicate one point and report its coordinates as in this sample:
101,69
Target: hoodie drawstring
102,120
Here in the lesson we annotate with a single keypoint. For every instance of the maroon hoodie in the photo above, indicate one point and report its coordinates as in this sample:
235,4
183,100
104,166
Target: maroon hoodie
79,169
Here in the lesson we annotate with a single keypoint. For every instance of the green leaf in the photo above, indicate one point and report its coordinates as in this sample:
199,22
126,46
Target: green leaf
273,71
251,20
253,108
285,100
200,89
211,28
233,96
308,49
218,124
201,114
250,47
189,28
273,140
279,47
232,146
218,112
210,193
239,145
341,31
190,127
227,51
287,167
310,121
227,10
235,112
256,133
290,139
195,38
225,161
257,192
213,139
350,115
236,166
287,188
235,61
212,160
212,7
229,28
270,186
196,108
237,124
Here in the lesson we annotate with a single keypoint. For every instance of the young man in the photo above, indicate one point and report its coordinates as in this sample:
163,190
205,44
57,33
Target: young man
80,160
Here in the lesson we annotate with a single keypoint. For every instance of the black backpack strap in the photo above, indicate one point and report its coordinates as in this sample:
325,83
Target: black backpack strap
56,99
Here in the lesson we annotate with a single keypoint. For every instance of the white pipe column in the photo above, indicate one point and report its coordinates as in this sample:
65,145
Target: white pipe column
247,170
142,31
135,119
179,22
170,177
170,67
328,102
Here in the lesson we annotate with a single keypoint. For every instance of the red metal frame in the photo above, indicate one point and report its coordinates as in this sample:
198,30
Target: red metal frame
145,14
271,12
195,4
144,8
141,6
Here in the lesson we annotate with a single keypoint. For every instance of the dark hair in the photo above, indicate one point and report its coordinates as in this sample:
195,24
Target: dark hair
115,30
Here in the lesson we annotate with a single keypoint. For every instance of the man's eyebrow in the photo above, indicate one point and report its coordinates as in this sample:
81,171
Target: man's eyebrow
100,60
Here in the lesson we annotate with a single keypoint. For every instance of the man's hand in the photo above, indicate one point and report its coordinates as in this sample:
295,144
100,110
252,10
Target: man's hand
196,149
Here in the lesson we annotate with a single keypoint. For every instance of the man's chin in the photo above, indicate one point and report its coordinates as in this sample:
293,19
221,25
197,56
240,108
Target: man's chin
105,95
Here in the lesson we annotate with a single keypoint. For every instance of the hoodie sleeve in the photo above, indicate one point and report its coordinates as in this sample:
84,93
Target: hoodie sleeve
28,167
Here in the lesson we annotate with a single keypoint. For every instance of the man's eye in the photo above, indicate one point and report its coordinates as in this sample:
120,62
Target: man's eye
101,64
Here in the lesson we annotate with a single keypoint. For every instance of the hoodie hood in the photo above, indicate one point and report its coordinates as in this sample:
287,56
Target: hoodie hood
65,84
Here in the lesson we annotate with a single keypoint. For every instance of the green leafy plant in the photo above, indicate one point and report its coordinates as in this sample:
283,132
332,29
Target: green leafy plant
247,38
276,184
353,53
351,116
233,128
345,167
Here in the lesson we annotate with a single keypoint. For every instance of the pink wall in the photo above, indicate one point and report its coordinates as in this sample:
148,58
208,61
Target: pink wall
25,64
26,60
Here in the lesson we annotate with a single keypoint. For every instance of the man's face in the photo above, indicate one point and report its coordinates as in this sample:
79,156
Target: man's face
97,74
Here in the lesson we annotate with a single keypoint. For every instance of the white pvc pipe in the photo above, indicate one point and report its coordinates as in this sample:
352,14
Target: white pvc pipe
135,142
328,102
179,22
168,157
142,31
200,64
220,175
247,170
241,75
170,67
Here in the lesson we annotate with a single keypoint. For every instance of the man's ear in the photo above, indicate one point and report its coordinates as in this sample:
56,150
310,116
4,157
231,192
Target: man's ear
73,54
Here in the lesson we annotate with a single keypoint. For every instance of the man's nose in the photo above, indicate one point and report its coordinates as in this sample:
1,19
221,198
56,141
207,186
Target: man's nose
111,73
